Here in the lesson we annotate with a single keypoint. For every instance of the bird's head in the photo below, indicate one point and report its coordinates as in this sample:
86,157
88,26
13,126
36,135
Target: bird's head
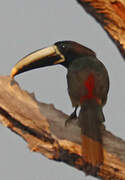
72,50
62,52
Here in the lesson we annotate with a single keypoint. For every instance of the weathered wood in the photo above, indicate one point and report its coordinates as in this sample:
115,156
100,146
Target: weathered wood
111,15
42,127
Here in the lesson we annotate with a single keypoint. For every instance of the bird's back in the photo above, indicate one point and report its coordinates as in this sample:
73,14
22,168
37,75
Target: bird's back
83,72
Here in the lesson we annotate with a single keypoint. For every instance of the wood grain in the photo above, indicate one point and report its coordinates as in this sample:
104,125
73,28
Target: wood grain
111,16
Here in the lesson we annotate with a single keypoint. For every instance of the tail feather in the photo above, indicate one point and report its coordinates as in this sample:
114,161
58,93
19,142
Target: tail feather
92,151
90,119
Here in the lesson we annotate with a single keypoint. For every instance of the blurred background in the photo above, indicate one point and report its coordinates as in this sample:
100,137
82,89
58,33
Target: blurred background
28,25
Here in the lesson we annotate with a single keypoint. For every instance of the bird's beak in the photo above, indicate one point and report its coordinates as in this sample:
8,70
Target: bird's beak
40,58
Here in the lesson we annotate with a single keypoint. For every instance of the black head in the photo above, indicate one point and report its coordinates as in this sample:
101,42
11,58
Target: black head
72,50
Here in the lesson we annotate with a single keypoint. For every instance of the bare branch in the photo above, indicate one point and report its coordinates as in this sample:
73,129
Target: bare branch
42,127
111,15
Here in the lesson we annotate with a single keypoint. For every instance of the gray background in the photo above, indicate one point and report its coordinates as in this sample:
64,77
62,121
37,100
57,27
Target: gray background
28,25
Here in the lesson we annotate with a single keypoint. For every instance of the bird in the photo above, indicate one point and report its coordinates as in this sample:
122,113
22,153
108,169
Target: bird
88,86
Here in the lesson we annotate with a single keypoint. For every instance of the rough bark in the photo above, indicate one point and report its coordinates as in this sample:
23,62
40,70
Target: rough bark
111,15
42,127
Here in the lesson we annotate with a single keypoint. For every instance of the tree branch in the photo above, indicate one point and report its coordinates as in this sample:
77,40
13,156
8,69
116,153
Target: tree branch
42,127
111,15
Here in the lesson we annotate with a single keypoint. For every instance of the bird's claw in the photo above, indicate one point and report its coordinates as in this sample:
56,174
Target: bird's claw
71,118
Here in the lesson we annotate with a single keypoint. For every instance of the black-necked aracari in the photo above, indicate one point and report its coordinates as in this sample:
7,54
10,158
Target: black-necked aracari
88,85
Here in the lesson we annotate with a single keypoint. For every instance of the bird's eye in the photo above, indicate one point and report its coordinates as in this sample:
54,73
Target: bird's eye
63,46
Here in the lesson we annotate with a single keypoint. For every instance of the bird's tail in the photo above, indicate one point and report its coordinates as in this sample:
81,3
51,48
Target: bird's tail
90,118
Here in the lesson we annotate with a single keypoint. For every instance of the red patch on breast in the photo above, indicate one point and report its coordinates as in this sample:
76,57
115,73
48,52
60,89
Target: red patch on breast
89,84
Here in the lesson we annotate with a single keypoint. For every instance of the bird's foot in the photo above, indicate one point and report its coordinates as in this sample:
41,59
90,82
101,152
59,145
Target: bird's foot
71,118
